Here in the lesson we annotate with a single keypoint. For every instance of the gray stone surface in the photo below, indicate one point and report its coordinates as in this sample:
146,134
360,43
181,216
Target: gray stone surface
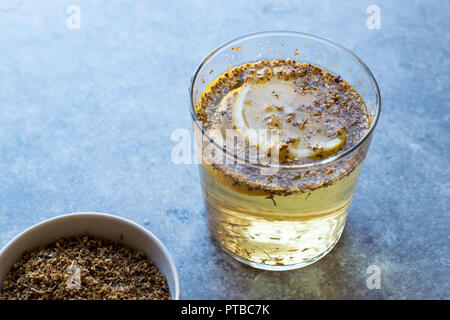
86,117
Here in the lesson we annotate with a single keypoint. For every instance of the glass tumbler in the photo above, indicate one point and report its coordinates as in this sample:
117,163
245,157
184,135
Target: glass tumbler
264,227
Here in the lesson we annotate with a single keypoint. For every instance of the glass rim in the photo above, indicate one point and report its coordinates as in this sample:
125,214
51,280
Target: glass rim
288,33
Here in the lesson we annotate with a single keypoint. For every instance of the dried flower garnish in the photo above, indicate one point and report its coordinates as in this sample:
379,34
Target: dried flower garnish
84,268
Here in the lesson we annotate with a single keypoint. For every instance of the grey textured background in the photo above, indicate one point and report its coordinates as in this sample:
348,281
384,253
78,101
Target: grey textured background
86,117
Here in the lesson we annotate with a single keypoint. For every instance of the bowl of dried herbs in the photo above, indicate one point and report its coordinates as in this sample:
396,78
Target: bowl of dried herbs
87,256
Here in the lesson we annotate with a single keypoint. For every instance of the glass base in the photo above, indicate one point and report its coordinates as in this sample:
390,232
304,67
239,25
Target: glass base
281,268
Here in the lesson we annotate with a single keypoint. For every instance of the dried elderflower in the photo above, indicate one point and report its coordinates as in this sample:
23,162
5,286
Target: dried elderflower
84,268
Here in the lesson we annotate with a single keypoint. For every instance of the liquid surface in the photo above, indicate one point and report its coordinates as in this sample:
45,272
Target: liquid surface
312,113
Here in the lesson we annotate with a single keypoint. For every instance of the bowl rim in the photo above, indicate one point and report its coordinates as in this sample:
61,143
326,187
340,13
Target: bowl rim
68,216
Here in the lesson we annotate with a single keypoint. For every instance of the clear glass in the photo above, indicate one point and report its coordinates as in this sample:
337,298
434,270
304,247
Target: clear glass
270,230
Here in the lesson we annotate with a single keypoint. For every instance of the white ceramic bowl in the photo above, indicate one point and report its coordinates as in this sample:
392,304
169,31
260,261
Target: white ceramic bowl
101,225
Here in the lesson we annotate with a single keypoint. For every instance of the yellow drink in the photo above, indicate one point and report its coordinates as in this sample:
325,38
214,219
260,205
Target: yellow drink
278,188
279,230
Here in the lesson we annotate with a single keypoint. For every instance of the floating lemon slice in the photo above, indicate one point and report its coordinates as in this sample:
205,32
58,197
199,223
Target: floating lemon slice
264,110
259,107
321,146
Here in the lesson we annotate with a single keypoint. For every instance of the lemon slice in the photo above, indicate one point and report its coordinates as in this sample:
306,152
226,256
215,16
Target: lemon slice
320,145
258,107
262,110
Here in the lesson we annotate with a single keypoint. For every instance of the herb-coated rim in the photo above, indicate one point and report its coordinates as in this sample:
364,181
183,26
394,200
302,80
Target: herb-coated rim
293,34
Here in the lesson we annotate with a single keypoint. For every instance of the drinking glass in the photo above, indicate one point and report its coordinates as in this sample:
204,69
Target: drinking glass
268,227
